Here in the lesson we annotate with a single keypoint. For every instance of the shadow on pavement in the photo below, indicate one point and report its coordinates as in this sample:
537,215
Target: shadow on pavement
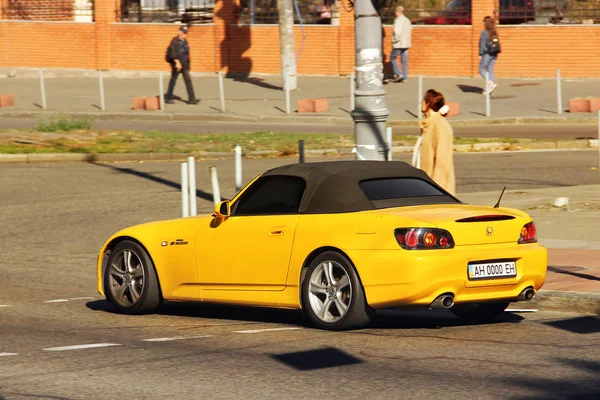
582,325
384,319
584,387
316,359
575,274
217,311
36,396
470,89
199,193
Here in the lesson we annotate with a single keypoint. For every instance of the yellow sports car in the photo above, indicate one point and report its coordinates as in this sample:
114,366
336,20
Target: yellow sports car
336,239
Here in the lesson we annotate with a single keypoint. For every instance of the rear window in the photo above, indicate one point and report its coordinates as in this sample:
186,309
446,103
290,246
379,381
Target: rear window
393,192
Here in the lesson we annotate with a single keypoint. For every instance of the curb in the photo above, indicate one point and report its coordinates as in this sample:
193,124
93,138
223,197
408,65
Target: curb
556,300
309,119
459,148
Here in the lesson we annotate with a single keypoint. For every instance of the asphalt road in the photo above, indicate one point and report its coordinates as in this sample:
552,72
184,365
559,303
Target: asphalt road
55,217
492,131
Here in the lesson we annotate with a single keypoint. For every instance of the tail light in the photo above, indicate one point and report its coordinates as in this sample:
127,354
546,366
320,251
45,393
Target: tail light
423,238
528,234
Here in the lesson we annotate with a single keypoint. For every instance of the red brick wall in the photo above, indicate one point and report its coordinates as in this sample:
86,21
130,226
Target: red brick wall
537,51
142,47
528,51
39,10
49,45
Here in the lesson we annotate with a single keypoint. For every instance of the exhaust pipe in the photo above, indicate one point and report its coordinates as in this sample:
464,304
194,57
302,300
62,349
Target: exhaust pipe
443,301
527,294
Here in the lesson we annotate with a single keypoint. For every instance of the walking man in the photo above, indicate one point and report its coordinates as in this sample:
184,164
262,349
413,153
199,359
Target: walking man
178,55
401,42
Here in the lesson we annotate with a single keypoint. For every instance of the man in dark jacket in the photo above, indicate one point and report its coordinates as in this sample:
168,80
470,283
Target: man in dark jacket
178,55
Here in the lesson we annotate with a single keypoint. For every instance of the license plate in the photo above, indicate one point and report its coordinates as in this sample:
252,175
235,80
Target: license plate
501,269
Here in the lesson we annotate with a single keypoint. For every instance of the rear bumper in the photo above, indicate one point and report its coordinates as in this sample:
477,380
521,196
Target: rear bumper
393,278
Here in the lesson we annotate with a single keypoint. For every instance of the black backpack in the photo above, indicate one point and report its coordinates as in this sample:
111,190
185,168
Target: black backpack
494,46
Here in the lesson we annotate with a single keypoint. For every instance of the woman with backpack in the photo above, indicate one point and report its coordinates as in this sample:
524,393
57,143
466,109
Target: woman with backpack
489,48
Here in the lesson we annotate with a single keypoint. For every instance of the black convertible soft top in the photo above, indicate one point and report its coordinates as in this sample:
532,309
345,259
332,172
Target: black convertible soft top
334,186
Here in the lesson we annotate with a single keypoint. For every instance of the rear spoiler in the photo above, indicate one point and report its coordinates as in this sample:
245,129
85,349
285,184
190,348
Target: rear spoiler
486,218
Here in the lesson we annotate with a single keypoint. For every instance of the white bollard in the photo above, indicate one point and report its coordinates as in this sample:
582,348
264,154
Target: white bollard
389,140
352,86
420,99
185,206
487,94
43,88
214,181
161,91
192,175
559,91
286,87
221,91
238,168
101,83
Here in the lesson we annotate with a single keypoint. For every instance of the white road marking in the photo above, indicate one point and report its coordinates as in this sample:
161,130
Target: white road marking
266,330
4,305
82,298
56,301
521,309
166,339
81,346
8,354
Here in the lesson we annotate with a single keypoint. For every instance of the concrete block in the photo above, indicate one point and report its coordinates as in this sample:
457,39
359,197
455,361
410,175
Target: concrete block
594,104
578,105
139,103
152,103
306,106
321,105
313,105
6,100
454,108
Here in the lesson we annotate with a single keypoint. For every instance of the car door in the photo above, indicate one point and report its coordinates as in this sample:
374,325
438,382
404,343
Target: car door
251,249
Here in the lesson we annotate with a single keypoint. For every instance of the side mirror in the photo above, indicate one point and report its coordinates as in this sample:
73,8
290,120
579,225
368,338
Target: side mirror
222,209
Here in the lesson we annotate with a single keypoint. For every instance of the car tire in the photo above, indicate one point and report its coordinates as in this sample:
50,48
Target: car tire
479,312
130,279
338,303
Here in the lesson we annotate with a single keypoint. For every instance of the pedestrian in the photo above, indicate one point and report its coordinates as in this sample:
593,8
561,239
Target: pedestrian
401,42
436,150
489,48
178,56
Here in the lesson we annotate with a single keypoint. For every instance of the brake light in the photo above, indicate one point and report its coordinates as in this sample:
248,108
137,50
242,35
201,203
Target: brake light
423,238
528,233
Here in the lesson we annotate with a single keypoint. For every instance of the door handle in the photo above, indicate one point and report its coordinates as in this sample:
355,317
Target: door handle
276,233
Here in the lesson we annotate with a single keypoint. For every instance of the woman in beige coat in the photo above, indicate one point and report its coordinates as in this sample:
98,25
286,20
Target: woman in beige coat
436,151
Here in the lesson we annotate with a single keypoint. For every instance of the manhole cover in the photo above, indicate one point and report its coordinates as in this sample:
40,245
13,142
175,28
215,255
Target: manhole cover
526,84
502,97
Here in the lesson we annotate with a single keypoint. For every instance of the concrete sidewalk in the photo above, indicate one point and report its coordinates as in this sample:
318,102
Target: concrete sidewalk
260,98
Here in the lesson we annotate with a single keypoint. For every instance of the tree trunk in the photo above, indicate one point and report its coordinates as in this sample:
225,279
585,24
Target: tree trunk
286,40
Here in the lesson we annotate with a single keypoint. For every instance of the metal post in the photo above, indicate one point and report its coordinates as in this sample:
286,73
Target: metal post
286,87
101,83
192,174
161,91
371,112
487,94
42,86
214,181
238,168
559,91
420,99
221,91
185,205
301,151
352,86
389,140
